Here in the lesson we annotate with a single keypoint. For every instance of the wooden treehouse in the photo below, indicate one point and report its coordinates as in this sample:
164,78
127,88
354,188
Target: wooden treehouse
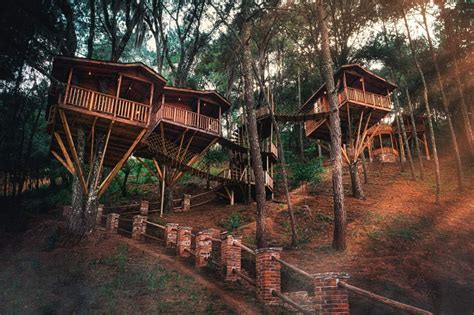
185,125
364,99
137,114
114,99
420,133
382,144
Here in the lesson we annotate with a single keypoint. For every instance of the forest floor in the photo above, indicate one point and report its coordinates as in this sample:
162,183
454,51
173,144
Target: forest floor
109,274
400,243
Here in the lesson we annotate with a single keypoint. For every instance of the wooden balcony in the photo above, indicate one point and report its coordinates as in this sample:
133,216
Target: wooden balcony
104,104
242,177
188,118
356,96
270,147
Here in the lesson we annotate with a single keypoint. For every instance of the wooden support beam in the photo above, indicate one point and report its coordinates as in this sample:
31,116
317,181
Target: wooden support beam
158,170
148,168
92,150
101,163
70,141
60,160
105,184
62,147
344,154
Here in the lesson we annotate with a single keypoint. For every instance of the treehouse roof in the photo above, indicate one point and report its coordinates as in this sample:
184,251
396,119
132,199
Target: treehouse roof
210,96
62,63
354,72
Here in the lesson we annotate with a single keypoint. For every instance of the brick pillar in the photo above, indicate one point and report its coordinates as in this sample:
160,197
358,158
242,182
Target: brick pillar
203,248
328,297
186,202
144,208
171,234
231,256
100,213
139,227
112,222
268,275
183,241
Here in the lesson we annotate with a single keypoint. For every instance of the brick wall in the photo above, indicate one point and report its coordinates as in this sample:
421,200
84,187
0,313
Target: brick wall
139,227
112,222
171,234
183,241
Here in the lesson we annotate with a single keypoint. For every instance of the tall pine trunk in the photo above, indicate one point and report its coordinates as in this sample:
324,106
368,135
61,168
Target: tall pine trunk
415,134
404,135
75,221
255,154
464,112
444,100
339,238
427,108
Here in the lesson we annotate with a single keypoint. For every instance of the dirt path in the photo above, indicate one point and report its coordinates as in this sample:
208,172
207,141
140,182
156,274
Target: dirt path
235,301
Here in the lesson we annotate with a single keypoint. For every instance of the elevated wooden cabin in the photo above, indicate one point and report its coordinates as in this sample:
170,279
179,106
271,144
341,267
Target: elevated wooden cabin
186,123
361,94
113,98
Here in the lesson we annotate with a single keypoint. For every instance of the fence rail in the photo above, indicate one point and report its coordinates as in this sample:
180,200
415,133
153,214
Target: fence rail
383,300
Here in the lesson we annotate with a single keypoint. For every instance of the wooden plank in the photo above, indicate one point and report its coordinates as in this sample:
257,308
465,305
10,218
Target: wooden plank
62,147
70,141
105,184
157,166
60,160
103,154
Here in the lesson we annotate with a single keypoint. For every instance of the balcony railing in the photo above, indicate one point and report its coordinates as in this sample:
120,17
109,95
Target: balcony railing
369,98
107,104
188,118
354,95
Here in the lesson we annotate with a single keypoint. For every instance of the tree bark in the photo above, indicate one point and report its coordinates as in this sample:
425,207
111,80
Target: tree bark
415,135
92,201
75,222
168,205
444,100
252,125
464,111
339,238
364,168
90,39
400,144
427,108
357,191
404,135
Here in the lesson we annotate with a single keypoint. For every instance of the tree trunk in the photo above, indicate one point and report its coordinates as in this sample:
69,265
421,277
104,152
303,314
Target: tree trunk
92,200
452,132
364,168
427,108
404,135
464,111
75,222
339,239
168,204
90,39
126,171
400,145
415,135
252,126
300,125
357,191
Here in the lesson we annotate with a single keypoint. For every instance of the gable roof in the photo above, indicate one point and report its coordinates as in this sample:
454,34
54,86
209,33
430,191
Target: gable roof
355,68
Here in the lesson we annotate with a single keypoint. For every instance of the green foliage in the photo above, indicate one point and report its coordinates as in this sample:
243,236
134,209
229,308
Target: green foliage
233,222
305,171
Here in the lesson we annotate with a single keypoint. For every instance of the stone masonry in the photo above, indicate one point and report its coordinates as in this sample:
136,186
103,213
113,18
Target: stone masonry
100,213
144,205
268,275
203,248
329,298
171,234
112,222
231,256
139,227
183,241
